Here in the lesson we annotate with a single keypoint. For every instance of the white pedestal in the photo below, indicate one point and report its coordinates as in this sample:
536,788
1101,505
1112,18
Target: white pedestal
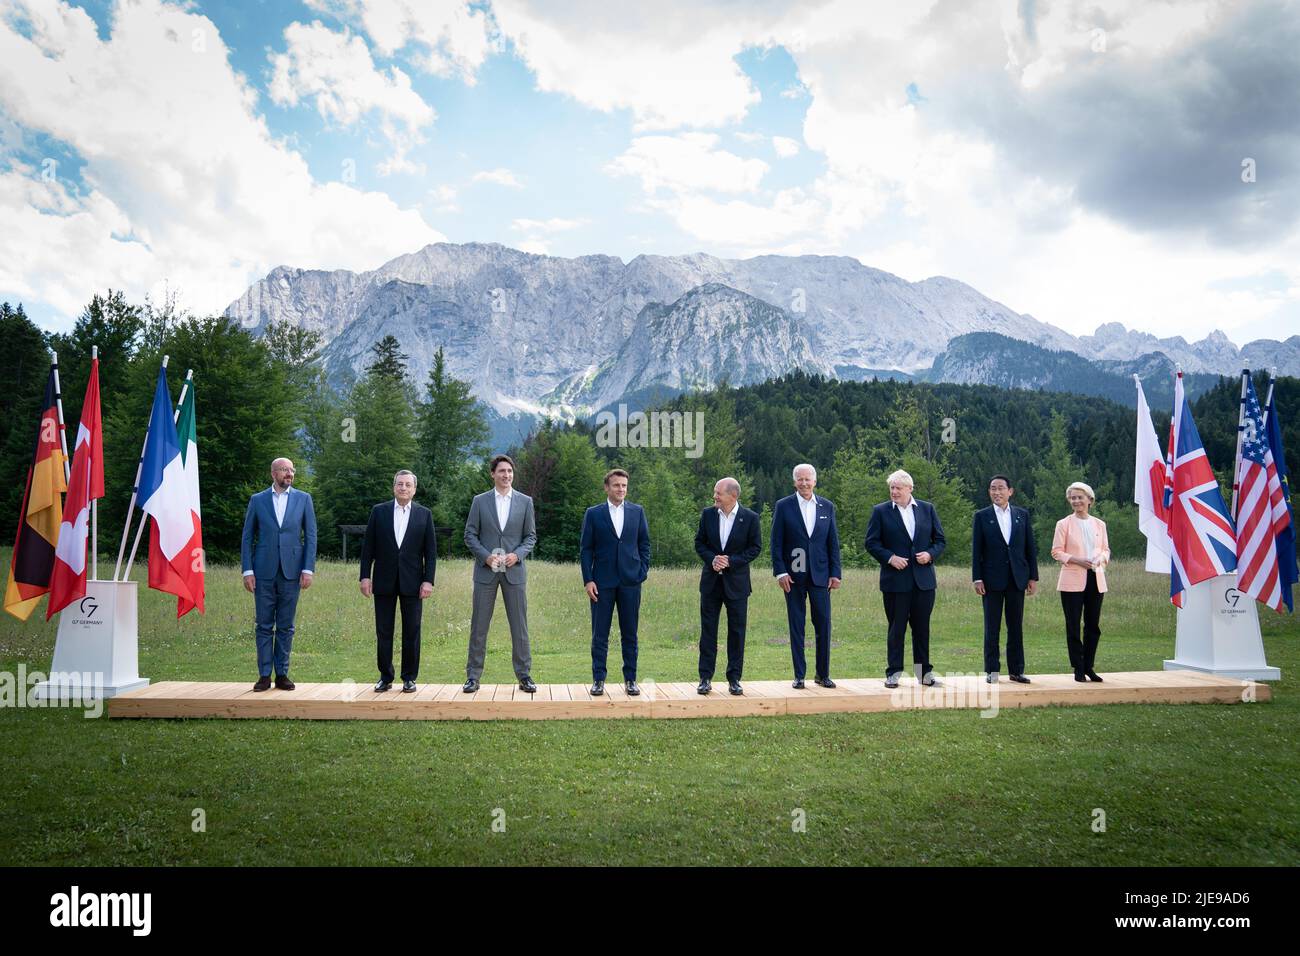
1218,633
97,645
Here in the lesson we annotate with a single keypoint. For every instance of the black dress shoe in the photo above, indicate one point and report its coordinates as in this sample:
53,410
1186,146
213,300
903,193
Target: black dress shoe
263,683
823,682
283,683
797,683
1092,675
735,688
632,689
470,686
597,688
408,687
1020,678
382,685
1078,675
705,685
526,684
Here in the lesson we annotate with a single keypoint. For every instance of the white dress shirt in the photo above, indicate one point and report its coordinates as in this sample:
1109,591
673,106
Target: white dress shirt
808,508
908,514
616,516
726,523
401,518
1089,540
1004,521
503,507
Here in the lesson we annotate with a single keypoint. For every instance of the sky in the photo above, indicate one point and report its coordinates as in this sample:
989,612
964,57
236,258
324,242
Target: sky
1083,161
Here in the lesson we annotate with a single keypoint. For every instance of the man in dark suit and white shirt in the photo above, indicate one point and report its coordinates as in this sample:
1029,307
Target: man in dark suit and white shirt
728,539
905,536
398,558
278,553
615,556
806,564
1004,565
500,531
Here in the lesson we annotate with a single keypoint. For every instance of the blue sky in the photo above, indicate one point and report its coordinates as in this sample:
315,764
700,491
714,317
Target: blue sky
1068,159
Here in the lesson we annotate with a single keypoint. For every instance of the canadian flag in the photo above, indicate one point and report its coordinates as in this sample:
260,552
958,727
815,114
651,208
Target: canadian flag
1149,490
175,544
68,580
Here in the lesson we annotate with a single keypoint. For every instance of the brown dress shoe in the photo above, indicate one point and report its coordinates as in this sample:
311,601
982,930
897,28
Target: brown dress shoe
283,683
263,683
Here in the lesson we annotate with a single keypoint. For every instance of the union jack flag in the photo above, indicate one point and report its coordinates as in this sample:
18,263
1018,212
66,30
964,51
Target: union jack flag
1261,507
1204,542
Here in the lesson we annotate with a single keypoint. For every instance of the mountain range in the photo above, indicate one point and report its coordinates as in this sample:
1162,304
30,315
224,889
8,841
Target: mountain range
545,335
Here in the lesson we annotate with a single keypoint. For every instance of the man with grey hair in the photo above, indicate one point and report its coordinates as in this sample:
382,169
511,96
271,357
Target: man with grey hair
278,553
905,536
727,541
806,564
398,558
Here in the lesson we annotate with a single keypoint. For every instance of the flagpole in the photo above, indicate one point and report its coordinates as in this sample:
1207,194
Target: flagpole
1272,380
94,503
63,432
189,374
135,490
1236,458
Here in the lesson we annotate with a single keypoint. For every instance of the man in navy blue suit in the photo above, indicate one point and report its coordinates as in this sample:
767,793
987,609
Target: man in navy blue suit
1004,565
727,541
615,553
905,536
278,553
806,563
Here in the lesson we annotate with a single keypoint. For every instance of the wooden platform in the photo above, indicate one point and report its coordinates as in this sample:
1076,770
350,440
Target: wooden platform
349,701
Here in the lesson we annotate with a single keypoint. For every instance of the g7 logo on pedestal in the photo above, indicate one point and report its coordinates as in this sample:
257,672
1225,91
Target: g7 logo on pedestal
88,606
1231,597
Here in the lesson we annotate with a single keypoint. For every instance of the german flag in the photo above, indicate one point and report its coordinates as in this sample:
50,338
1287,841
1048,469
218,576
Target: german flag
38,525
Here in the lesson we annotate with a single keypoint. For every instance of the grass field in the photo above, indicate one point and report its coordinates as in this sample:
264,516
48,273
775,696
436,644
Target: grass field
1179,785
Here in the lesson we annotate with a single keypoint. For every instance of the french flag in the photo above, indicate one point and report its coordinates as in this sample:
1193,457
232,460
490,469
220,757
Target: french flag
164,496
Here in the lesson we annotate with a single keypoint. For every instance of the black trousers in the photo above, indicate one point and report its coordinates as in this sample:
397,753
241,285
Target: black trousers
901,609
819,601
1013,602
1085,604
710,611
385,613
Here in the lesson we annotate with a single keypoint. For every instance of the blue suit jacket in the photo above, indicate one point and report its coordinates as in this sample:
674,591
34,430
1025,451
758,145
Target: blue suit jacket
609,560
267,548
887,536
999,565
822,551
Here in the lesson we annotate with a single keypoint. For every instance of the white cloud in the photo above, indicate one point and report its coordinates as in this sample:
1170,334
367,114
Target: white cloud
500,176
336,72
535,245
689,161
785,146
546,225
446,36
183,183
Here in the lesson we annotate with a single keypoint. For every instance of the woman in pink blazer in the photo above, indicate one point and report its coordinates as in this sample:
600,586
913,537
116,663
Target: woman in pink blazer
1080,544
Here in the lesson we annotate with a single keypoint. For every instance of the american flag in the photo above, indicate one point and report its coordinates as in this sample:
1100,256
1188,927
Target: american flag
1261,507
1204,544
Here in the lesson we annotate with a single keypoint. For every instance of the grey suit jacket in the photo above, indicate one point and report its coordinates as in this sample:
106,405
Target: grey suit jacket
483,535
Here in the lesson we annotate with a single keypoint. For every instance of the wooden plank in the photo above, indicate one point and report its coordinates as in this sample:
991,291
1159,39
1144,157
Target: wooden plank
579,692
560,692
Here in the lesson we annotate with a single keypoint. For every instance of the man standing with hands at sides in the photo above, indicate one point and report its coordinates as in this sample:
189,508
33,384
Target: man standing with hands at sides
278,554
806,564
615,553
500,532
728,539
398,558
1004,565
905,536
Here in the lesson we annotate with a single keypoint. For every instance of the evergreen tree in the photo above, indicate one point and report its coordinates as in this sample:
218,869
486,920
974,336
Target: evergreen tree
453,433
22,392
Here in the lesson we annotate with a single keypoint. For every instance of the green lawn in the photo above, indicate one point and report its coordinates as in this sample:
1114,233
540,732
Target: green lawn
1179,785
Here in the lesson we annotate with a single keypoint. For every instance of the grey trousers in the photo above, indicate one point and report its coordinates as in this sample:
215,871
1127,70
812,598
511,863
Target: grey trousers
485,599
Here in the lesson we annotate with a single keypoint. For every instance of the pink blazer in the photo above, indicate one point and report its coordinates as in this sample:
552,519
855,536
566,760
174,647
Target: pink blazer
1067,541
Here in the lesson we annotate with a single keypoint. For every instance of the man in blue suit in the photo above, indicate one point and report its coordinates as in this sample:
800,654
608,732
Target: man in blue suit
615,554
279,558
806,563
1004,564
905,536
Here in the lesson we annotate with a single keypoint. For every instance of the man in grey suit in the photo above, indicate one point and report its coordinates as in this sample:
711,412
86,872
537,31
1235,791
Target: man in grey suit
500,532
